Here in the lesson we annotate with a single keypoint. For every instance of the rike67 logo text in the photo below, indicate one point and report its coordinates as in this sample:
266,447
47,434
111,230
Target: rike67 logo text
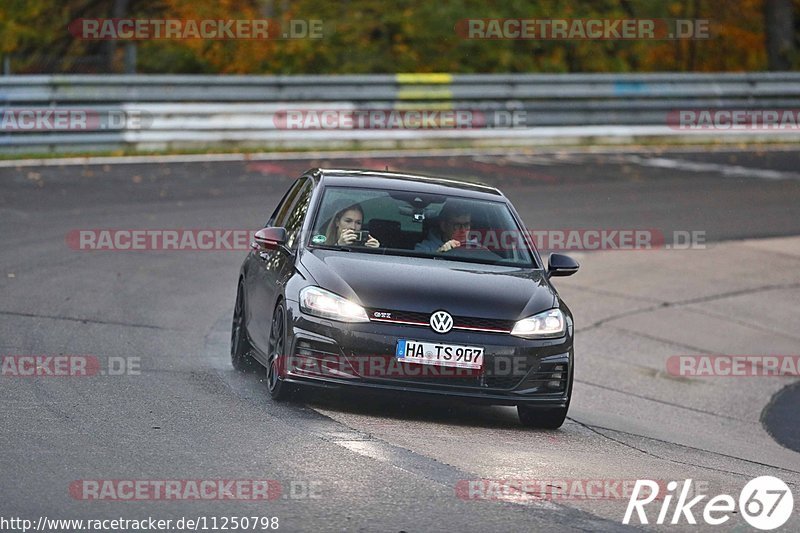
765,503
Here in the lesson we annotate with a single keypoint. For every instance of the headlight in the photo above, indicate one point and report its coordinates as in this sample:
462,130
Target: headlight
325,304
546,325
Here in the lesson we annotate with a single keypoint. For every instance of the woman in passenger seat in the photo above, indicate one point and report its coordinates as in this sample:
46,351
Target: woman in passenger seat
345,229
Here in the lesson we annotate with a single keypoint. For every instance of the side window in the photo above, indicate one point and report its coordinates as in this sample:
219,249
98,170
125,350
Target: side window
295,218
278,218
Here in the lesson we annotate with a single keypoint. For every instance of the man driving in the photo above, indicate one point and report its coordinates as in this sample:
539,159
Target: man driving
454,222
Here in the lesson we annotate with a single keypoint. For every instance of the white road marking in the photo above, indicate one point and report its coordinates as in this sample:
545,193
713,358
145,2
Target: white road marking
732,171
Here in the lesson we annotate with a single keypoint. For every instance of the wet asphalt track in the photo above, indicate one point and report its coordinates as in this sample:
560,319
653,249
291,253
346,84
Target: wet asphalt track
385,464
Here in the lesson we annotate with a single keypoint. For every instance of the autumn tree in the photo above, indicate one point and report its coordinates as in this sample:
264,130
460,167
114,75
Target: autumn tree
372,36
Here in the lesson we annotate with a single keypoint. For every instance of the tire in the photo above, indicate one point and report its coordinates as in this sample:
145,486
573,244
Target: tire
544,417
278,388
541,418
241,357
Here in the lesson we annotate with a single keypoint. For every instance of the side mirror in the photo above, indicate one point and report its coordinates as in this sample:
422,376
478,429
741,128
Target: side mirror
268,239
561,265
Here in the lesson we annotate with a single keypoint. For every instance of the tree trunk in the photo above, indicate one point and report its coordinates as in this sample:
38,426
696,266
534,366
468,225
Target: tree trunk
119,10
779,25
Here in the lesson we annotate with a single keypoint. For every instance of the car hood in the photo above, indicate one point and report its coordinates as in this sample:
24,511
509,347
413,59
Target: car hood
426,285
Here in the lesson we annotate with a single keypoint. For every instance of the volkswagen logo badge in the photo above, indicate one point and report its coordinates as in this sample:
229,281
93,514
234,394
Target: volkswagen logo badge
441,322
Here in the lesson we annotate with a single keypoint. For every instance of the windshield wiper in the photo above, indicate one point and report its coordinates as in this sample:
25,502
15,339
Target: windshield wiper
346,248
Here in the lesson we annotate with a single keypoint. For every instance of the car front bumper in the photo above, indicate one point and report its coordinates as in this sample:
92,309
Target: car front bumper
362,355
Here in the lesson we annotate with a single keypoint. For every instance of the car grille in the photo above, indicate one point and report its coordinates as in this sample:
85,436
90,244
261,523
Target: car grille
315,359
546,378
459,322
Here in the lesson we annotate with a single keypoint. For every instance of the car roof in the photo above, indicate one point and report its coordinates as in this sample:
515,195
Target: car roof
378,179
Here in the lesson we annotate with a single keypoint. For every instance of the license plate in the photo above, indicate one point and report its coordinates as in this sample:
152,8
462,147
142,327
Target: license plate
432,353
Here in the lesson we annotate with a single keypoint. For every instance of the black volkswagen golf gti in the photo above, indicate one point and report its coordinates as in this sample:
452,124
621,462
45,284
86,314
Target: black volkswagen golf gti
405,284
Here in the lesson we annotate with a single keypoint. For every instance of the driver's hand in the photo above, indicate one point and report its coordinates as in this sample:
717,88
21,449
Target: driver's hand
372,242
348,236
449,245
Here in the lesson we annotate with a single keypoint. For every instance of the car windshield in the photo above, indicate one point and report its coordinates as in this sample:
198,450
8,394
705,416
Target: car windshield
410,223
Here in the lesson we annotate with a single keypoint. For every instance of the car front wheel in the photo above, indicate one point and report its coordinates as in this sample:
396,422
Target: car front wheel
241,359
542,418
278,388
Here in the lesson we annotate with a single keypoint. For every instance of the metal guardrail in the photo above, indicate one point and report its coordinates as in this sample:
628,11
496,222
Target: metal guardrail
167,111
